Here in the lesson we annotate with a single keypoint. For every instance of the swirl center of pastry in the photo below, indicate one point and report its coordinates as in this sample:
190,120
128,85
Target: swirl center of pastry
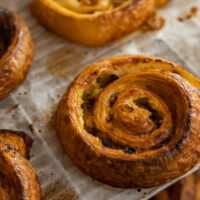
136,111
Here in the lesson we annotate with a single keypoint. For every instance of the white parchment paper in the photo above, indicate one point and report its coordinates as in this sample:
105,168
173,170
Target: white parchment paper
31,108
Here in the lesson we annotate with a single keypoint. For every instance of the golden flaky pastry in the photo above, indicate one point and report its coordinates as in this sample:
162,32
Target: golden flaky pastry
186,189
18,179
93,22
132,121
16,51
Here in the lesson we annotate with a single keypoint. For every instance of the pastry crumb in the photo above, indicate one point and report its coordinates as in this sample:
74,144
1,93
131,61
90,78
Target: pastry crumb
155,22
193,13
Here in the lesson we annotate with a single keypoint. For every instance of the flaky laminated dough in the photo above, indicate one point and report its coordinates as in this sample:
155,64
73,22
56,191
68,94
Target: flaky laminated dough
18,179
16,51
132,121
93,22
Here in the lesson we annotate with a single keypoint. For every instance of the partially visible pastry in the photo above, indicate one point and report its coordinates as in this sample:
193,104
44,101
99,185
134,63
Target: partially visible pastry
186,189
132,121
18,179
16,51
19,140
93,22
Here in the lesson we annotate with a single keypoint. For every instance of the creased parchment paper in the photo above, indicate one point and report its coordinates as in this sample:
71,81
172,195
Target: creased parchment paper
31,108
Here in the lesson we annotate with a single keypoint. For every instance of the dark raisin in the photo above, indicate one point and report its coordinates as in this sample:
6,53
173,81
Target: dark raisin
139,190
92,130
178,146
113,77
94,73
90,103
158,60
188,124
31,128
110,118
184,137
105,142
160,146
149,87
113,99
153,117
158,125
11,147
129,150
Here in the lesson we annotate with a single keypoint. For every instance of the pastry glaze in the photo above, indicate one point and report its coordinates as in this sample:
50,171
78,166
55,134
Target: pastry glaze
18,179
186,189
160,3
132,121
19,140
16,51
96,24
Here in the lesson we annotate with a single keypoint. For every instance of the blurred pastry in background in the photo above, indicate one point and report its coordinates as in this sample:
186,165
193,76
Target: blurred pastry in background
16,51
94,22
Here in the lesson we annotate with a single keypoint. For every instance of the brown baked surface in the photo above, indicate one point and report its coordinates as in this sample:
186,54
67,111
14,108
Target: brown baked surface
18,140
132,121
16,51
94,24
18,179
160,3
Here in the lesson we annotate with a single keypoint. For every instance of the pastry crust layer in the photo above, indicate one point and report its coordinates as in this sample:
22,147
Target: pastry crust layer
96,28
132,121
17,53
18,179
19,140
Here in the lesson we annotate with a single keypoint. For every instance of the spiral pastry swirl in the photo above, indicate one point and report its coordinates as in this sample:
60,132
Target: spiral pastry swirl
132,121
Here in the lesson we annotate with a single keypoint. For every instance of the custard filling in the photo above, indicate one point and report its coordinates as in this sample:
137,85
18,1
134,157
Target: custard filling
89,6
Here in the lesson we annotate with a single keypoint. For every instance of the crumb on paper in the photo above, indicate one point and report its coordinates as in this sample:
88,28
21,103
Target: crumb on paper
155,22
193,13
31,128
